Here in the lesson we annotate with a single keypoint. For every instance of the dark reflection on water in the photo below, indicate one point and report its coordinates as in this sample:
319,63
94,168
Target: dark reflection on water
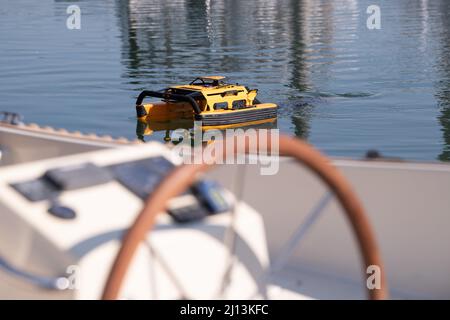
341,86
443,83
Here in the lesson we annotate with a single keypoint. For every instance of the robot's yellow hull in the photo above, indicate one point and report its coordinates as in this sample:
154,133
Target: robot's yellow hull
209,100
219,119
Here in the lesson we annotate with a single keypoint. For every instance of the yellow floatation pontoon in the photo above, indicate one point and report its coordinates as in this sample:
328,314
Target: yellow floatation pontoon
208,99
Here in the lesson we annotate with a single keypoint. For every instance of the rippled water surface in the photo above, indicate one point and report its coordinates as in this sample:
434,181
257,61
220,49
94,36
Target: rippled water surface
343,87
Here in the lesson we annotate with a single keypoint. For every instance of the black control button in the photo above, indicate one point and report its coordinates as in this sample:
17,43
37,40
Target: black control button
142,177
62,212
161,164
36,190
189,213
209,200
79,176
210,193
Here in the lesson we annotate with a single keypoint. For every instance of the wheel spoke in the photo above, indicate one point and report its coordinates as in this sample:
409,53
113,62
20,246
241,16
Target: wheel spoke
230,233
154,254
287,250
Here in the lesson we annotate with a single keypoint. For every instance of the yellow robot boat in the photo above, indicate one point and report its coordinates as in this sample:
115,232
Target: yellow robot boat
211,100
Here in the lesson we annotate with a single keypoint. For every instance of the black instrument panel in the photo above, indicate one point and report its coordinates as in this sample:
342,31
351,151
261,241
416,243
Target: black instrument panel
140,177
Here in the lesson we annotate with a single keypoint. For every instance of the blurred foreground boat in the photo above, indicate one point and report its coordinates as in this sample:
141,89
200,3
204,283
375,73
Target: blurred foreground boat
68,199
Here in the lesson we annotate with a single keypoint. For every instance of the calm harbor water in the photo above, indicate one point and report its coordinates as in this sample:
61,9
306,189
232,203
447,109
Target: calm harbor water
341,86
